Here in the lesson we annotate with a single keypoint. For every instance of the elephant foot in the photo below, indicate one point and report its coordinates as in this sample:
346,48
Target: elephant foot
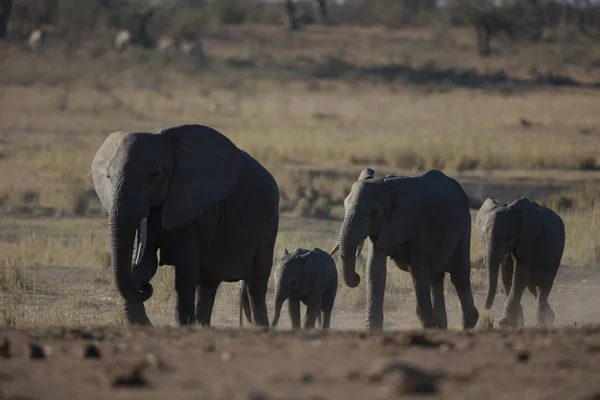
505,322
470,319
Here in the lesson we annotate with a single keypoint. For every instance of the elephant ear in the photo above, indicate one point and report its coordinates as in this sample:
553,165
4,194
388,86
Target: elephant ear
405,212
366,173
206,167
531,226
98,173
483,214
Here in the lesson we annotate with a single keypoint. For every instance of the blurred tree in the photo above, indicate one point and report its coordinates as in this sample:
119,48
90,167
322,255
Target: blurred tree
292,17
5,9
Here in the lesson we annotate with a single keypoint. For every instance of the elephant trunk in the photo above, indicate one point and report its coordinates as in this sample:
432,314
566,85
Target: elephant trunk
123,230
349,242
493,260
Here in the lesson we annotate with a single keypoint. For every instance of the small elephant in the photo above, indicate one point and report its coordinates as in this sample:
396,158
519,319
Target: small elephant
424,224
527,241
207,207
309,276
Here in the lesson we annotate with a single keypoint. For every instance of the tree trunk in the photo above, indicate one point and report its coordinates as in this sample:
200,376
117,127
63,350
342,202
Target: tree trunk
484,36
5,9
291,17
323,11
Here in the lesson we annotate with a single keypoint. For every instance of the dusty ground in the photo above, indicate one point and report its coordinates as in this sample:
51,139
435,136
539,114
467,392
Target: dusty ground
228,364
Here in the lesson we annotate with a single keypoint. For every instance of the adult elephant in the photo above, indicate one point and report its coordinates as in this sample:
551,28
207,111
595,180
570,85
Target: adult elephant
209,208
424,224
528,241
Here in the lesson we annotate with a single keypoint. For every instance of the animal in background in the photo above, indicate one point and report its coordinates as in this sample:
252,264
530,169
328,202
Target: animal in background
525,242
310,277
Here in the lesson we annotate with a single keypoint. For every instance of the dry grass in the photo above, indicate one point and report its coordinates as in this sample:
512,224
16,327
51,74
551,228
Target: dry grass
314,134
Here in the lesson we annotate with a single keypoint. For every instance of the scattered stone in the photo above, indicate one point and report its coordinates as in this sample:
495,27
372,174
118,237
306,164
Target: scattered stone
4,348
353,375
226,356
362,335
419,339
151,360
523,356
405,378
257,395
91,351
133,378
592,346
307,378
209,348
35,352
387,341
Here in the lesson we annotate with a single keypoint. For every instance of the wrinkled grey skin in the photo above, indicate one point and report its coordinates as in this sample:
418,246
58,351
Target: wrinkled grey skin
424,224
210,209
310,277
525,241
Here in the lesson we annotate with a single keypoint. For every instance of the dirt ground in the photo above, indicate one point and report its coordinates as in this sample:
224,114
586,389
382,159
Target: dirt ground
158,363
225,363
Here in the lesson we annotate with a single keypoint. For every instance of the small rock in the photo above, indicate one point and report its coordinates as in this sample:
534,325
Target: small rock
353,375
4,348
257,395
35,352
133,378
419,339
362,335
387,341
407,379
226,356
592,346
151,360
306,378
523,356
209,348
91,351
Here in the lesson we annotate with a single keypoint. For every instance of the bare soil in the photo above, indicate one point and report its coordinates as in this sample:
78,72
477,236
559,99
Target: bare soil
227,363
173,363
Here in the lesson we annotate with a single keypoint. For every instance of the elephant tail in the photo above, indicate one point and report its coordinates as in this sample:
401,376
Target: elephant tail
244,304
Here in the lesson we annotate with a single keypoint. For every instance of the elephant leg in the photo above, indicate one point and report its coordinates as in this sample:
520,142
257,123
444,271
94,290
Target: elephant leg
439,304
545,315
376,275
206,293
507,269
460,276
327,307
294,309
313,310
422,284
187,269
326,319
512,307
258,283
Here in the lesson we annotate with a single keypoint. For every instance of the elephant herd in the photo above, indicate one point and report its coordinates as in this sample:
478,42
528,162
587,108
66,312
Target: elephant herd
188,197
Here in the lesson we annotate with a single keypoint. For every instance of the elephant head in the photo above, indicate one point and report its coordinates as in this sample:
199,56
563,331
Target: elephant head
505,229
180,172
289,277
386,210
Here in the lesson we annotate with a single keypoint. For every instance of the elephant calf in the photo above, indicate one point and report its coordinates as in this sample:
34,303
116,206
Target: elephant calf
309,276
527,240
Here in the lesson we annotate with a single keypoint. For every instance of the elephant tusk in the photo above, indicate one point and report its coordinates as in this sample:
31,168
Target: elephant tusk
335,249
143,234
359,248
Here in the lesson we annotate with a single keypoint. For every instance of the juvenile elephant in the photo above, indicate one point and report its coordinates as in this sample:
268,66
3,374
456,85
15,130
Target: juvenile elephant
309,276
528,241
209,208
423,223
